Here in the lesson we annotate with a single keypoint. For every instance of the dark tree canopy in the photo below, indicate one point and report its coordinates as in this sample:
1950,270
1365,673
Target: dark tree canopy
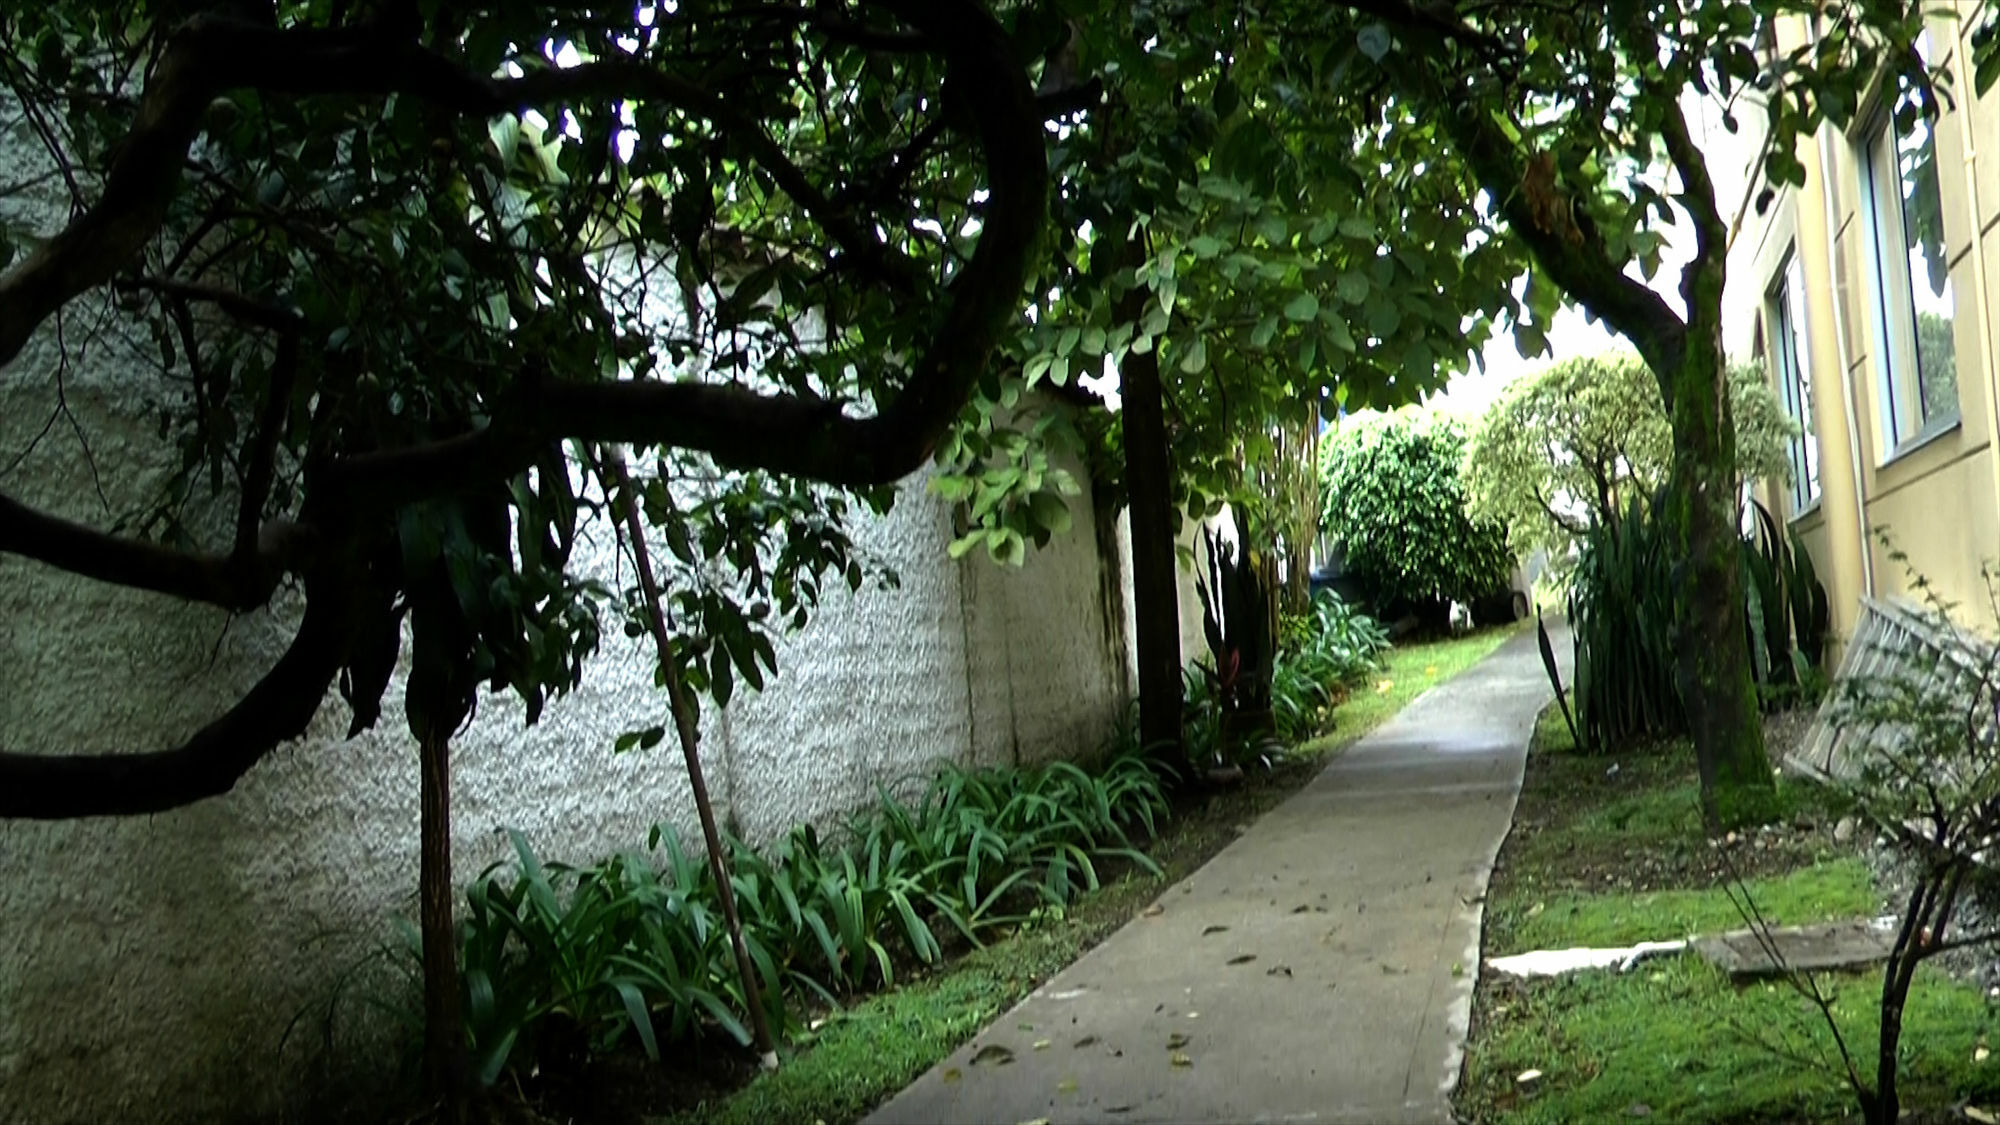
403,265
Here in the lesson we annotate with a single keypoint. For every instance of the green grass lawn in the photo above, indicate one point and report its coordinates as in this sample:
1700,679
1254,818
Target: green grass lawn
1407,672
1609,851
1824,891
1676,1037
862,1055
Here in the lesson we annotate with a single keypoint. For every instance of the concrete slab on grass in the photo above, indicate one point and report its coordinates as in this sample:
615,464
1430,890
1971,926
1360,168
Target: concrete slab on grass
1827,945
1318,969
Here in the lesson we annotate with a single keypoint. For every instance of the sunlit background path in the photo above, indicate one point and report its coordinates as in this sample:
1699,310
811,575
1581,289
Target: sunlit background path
1319,969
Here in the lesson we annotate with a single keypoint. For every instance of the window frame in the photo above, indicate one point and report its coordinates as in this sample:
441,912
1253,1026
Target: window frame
1901,423
1790,360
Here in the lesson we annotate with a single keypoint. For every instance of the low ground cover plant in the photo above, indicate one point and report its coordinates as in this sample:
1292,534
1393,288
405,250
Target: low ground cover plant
563,964
1322,653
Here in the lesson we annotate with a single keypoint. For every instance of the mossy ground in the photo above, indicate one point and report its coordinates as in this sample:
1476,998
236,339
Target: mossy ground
1610,851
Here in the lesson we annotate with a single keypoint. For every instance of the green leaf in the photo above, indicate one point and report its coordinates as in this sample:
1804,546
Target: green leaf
1336,332
1194,357
1304,306
1205,246
1260,337
1383,319
1352,287
1050,511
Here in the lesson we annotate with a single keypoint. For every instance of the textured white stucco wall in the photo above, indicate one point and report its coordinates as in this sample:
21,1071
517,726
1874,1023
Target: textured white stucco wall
149,967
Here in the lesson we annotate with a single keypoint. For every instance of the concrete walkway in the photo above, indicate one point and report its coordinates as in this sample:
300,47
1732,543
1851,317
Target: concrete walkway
1319,969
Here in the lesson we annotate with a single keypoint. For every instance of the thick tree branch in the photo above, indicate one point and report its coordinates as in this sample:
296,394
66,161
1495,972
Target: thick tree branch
241,580
785,433
1703,277
742,428
1579,265
278,708
211,55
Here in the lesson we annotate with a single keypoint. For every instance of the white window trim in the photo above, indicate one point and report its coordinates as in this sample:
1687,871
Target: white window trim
1888,284
1791,360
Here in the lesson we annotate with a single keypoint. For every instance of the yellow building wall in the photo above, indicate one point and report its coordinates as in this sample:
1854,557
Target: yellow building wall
1938,501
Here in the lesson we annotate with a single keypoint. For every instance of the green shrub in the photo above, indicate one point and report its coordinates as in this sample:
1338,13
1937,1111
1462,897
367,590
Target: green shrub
1322,652
1621,614
1621,617
1572,445
561,963
1396,506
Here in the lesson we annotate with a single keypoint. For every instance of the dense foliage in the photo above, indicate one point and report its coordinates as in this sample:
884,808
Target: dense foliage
1621,613
1239,620
564,963
1573,445
1322,653
396,279
1395,507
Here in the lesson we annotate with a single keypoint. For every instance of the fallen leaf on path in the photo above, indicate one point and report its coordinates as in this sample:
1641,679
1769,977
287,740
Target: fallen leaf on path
1301,908
1037,1121
1179,1059
953,1074
1209,930
993,1054
1242,959
1086,1041
1153,911
1120,1108
1041,1044
1177,1040
1278,971
1066,1086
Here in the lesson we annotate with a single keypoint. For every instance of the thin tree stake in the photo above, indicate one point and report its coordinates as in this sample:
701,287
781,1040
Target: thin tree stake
612,475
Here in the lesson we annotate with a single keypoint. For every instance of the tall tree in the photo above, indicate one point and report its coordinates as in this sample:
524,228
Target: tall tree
398,262
1570,447
1575,119
392,265
1227,232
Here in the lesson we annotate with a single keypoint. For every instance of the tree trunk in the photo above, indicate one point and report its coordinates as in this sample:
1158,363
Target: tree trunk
1155,593
618,490
444,1030
1712,659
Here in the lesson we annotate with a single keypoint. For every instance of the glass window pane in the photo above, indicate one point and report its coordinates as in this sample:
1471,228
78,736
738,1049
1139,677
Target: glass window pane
1792,302
1930,283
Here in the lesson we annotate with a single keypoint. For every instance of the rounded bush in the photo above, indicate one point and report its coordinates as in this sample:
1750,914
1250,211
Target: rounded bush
1395,507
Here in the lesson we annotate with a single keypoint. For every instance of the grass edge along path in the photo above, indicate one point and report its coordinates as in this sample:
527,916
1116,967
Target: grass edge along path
1676,1040
862,1055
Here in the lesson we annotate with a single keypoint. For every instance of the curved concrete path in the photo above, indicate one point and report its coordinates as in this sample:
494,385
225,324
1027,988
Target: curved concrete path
1318,969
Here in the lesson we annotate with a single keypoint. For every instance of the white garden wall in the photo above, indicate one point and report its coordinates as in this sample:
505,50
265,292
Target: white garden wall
150,967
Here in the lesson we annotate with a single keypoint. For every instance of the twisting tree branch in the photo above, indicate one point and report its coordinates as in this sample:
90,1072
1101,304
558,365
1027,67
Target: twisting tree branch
782,433
1574,259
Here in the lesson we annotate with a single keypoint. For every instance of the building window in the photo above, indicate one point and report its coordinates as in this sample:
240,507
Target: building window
1792,364
1911,287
